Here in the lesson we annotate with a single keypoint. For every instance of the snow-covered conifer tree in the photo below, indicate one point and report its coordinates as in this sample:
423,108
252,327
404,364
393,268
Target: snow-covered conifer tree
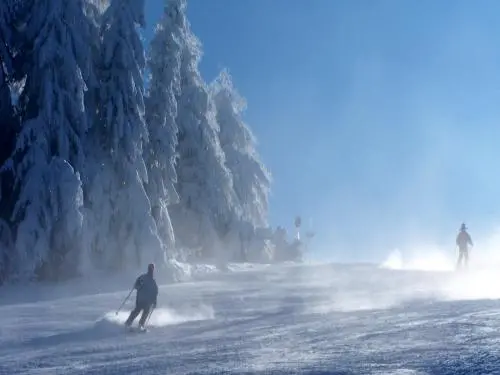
207,200
48,153
124,231
6,250
7,120
93,10
161,112
6,109
7,132
251,180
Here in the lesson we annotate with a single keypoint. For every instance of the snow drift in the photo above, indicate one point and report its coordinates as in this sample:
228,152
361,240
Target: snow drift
322,319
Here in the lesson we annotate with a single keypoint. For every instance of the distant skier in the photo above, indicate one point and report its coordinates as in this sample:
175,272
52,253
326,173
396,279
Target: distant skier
463,241
146,298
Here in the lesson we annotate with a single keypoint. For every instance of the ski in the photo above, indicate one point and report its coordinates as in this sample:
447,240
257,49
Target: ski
137,330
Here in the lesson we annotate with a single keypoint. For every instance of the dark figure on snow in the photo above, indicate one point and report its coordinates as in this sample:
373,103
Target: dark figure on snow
463,241
147,294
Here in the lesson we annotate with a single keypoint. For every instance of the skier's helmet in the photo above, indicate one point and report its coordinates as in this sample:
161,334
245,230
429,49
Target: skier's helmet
463,227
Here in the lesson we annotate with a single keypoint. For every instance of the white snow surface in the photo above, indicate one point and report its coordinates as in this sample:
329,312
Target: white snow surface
258,319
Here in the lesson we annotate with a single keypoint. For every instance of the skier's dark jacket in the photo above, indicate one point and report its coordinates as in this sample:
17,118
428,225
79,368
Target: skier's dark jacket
147,290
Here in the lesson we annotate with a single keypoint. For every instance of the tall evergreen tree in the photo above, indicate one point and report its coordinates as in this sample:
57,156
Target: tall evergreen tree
161,112
124,231
7,120
6,109
48,154
8,128
251,180
207,200
93,10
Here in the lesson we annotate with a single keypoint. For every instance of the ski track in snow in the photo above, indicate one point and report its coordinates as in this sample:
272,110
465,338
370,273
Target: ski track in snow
307,319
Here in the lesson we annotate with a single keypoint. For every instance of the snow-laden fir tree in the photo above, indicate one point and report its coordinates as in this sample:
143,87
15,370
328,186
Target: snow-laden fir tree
123,231
48,153
207,200
7,120
7,131
6,109
93,10
251,179
161,112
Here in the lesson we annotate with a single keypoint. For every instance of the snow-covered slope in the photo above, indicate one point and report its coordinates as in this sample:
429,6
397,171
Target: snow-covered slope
321,319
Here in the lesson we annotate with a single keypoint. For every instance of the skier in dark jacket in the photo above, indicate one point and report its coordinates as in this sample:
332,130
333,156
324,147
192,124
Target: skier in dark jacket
146,298
463,241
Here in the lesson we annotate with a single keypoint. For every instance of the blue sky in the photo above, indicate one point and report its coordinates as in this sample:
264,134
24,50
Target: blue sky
380,120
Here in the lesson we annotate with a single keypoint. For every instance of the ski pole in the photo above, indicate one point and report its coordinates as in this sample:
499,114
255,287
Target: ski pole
125,300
